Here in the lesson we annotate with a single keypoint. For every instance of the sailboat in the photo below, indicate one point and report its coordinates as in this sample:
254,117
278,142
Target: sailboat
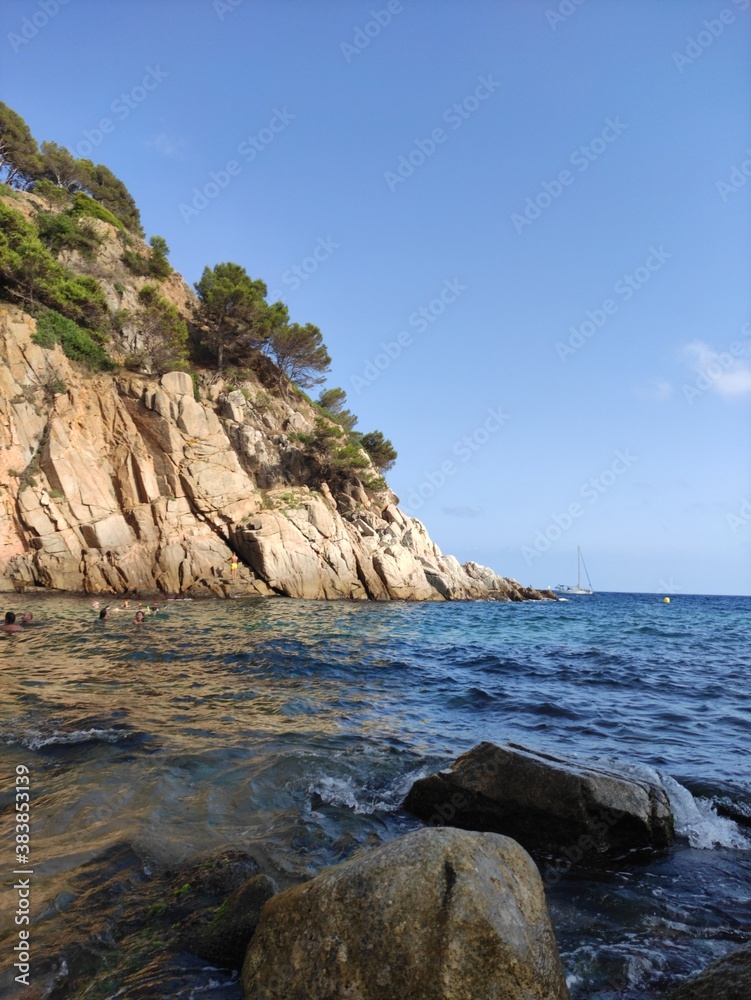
568,589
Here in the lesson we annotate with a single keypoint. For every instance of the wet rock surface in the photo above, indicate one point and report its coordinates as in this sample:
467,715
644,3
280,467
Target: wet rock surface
434,915
546,802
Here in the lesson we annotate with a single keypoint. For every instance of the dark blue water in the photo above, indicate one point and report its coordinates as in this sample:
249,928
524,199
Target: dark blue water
293,729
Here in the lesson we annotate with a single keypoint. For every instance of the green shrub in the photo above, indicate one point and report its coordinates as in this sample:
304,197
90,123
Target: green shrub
78,345
30,272
159,266
81,298
161,334
50,191
380,449
351,457
376,484
65,232
83,205
120,318
136,264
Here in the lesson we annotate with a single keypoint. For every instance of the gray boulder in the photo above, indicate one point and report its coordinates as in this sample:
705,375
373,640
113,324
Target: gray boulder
434,915
546,803
728,979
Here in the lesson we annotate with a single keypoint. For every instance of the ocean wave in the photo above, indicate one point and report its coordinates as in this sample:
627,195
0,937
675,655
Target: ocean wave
39,740
697,820
346,793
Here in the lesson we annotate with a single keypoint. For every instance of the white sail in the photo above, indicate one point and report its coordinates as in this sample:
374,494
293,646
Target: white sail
567,588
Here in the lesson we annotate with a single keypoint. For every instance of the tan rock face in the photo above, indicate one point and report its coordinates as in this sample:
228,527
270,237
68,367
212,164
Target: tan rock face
129,483
434,915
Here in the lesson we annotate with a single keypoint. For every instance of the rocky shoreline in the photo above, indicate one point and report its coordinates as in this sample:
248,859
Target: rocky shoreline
128,483
441,913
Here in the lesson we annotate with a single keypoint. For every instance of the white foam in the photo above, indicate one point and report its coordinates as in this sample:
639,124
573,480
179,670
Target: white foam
77,736
697,821
345,792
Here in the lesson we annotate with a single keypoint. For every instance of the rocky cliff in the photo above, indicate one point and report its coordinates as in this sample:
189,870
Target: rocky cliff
113,483
119,483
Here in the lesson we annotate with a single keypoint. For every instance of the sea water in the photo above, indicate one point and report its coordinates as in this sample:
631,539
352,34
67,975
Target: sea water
293,729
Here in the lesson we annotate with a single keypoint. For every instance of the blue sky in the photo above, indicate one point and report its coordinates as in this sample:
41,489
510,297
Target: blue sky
571,217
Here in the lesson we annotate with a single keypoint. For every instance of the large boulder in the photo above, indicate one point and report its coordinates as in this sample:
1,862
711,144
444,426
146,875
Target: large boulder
434,915
728,979
546,803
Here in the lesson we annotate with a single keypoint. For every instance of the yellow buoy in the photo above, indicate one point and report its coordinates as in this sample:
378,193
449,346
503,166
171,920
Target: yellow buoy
666,600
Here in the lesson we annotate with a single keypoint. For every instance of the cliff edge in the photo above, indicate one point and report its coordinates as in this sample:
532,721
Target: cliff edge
120,483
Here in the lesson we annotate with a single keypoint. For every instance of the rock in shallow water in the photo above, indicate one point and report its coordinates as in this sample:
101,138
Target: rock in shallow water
434,915
728,979
225,939
545,802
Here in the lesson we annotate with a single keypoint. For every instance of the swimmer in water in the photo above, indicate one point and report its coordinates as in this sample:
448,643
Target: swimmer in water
139,617
10,623
104,613
27,618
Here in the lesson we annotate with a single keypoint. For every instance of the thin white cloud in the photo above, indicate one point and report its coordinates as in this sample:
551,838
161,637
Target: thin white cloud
725,372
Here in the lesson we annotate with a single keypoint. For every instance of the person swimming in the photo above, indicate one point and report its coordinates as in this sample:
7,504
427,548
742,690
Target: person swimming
10,623
104,613
139,618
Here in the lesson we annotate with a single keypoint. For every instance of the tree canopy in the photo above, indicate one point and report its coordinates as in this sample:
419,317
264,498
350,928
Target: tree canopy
300,355
19,153
232,309
380,449
332,400
25,166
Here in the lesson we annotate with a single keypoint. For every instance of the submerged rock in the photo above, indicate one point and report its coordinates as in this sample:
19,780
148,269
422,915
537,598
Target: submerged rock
434,915
545,802
224,940
728,979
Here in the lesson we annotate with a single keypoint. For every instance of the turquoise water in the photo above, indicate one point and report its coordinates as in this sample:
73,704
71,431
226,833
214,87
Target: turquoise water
293,729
